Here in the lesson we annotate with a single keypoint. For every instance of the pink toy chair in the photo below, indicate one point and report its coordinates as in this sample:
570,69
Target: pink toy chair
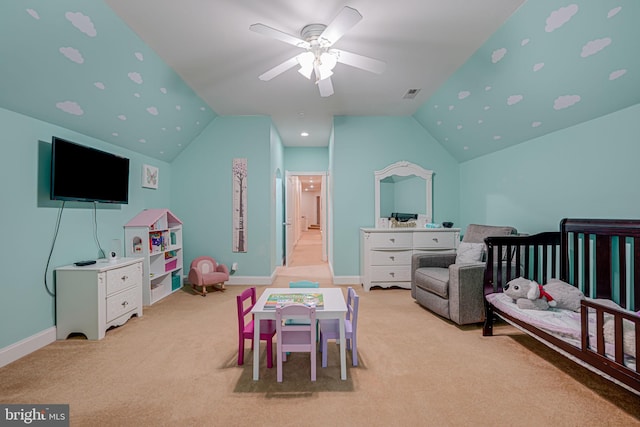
329,329
303,284
245,328
295,338
205,271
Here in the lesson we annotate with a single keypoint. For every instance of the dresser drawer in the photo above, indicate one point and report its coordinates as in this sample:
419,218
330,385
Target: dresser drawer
122,278
390,240
389,257
433,240
122,303
380,273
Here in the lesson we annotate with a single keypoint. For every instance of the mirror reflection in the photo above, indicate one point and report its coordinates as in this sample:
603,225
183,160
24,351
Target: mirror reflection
403,187
404,194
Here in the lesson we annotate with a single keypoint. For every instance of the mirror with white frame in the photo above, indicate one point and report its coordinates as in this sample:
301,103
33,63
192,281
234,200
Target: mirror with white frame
403,187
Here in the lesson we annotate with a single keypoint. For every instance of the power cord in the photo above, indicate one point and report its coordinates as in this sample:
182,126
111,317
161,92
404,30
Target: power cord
53,244
95,230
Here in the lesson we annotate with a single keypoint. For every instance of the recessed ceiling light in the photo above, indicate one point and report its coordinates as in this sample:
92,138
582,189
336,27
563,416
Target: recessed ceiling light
304,134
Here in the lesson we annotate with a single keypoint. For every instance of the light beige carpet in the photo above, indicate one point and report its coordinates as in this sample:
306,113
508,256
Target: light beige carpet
177,366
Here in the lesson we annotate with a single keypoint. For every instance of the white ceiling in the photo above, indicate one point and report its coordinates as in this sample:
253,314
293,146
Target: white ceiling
208,43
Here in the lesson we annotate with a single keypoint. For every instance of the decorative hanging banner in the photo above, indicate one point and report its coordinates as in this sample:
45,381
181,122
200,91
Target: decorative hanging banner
239,205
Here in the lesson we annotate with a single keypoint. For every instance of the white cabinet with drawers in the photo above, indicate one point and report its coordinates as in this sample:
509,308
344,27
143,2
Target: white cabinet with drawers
93,298
385,253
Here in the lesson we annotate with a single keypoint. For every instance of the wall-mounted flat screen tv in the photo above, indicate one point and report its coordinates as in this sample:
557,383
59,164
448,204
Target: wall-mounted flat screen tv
86,174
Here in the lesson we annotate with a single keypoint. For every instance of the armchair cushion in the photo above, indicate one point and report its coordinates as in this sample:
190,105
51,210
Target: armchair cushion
434,280
451,284
469,252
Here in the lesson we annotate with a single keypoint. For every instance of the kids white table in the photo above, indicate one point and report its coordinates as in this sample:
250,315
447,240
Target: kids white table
335,307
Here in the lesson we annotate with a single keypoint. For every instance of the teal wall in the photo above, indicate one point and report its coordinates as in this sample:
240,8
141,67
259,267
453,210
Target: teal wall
588,170
29,220
363,145
306,159
202,193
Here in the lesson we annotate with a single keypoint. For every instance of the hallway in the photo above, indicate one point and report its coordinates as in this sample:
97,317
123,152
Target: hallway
306,261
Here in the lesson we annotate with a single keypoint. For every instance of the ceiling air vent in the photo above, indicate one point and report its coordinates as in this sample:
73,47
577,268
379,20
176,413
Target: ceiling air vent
411,94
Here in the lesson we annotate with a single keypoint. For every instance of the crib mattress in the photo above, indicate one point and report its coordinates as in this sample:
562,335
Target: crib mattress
563,324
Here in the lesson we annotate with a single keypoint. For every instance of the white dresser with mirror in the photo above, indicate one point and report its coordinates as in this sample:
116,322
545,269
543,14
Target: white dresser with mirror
386,251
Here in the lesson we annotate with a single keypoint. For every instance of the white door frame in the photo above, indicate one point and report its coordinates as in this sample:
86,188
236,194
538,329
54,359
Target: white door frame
293,195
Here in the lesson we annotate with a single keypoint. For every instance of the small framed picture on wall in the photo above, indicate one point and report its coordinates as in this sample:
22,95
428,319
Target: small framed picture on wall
149,176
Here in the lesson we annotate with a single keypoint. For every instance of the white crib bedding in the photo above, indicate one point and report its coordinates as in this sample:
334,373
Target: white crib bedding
564,324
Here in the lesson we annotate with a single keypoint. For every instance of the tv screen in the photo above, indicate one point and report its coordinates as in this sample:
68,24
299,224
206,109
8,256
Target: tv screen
87,174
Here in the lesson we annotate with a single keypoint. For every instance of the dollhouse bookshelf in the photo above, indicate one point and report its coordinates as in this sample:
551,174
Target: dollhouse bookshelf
155,235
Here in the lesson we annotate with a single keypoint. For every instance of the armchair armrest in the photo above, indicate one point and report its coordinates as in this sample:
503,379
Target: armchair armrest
438,260
466,296
432,260
195,277
222,268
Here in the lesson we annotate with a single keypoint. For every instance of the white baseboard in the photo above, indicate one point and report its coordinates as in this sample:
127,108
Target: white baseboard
15,351
249,280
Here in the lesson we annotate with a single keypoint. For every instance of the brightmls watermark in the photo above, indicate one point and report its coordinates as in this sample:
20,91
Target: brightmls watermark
36,415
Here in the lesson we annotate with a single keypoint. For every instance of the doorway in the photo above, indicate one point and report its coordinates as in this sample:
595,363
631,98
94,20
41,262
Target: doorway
305,220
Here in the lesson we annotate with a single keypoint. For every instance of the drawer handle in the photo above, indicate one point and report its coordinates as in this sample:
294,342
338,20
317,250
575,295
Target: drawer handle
392,274
435,239
392,240
392,258
125,303
125,277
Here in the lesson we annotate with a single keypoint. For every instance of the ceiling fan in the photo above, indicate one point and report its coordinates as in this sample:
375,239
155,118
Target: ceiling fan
319,57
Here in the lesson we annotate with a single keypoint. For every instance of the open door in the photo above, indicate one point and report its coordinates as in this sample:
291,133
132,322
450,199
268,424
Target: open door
291,213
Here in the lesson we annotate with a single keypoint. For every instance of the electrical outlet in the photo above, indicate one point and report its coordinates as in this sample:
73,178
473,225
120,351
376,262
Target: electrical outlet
234,266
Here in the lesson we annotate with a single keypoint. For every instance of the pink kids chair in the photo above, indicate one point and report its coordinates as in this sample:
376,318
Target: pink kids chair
205,271
295,338
246,300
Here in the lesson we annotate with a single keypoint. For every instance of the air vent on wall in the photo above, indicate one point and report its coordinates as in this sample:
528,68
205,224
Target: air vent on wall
411,94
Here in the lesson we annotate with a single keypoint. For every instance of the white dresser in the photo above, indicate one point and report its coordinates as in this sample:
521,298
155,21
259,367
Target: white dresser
93,298
385,253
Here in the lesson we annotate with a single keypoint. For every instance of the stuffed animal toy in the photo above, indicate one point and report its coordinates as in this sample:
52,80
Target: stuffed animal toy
628,328
530,295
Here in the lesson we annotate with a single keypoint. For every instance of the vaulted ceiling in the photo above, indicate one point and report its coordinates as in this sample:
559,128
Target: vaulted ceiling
150,75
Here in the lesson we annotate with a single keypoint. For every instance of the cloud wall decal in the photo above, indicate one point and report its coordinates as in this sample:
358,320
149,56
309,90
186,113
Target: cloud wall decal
82,22
560,17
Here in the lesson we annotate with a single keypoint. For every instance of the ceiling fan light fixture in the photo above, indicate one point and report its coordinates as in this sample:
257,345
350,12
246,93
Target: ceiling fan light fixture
306,71
323,73
306,61
326,62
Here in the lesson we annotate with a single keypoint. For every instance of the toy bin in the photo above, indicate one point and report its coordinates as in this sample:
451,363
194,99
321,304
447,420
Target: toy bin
175,281
171,265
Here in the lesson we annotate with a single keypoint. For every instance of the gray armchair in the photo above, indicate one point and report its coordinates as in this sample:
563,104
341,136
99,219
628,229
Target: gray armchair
453,291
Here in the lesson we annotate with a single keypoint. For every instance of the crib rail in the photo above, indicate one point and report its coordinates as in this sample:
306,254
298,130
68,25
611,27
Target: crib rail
535,257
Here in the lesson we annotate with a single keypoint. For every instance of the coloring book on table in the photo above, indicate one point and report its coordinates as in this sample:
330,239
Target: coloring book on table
308,299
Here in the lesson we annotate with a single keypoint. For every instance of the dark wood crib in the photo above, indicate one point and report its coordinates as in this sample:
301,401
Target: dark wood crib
602,258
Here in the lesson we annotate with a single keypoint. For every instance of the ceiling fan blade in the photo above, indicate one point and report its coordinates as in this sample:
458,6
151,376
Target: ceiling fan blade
279,69
347,18
325,87
359,61
279,35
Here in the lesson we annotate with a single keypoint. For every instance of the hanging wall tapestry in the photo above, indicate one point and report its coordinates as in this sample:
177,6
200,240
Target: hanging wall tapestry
239,205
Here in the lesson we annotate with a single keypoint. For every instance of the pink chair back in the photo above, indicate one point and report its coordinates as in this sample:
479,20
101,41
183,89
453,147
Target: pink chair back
295,338
245,302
